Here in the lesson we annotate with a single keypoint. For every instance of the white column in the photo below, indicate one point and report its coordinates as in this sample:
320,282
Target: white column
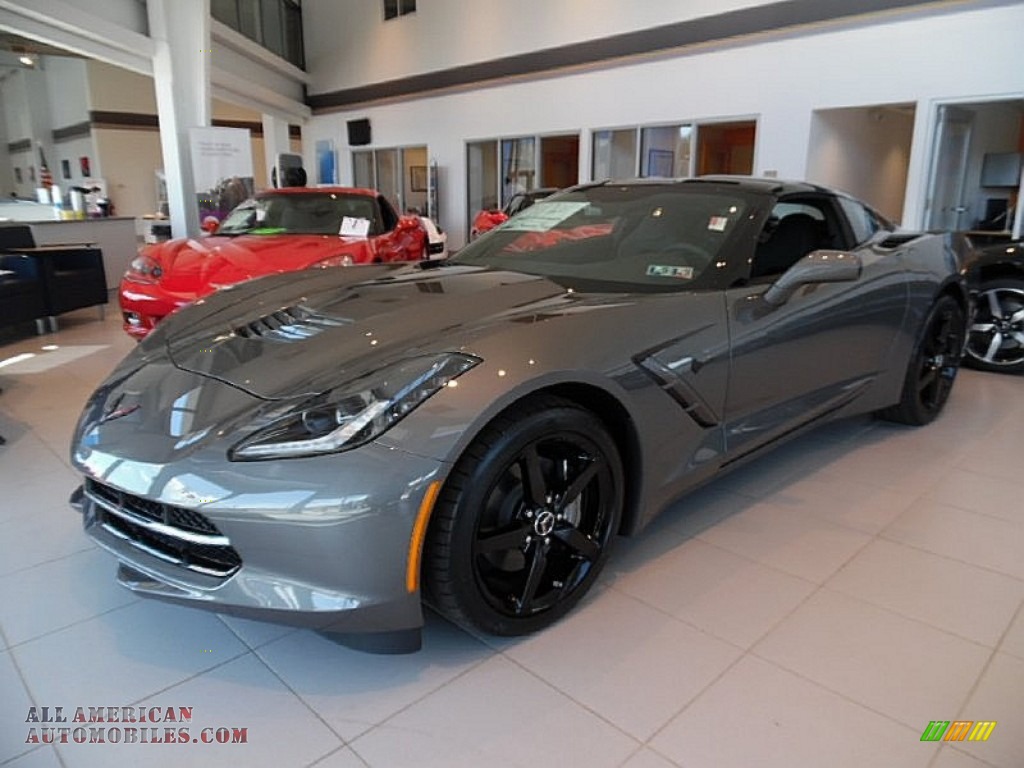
180,31
275,142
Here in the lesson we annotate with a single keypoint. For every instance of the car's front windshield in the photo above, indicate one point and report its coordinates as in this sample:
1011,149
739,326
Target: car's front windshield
618,236
303,214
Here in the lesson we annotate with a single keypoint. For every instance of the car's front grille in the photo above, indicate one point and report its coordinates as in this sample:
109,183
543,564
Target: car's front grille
288,324
173,534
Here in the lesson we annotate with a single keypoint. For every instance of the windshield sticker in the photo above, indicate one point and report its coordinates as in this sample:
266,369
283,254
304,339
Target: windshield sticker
718,223
661,270
543,216
352,226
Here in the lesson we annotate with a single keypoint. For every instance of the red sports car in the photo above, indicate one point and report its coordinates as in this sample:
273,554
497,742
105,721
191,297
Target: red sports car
486,220
282,230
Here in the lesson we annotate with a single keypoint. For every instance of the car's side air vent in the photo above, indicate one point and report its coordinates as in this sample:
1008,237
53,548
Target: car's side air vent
289,324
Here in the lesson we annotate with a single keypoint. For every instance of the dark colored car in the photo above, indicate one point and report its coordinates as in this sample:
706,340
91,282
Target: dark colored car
316,447
487,220
995,341
282,230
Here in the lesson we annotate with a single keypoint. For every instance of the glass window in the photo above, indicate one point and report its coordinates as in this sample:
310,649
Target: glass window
273,26
863,220
614,154
665,150
395,8
482,166
225,11
726,148
362,169
293,46
249,19
389,179
518,166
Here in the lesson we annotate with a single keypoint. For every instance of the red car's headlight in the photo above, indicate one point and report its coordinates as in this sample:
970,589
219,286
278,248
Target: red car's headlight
144,269
341,260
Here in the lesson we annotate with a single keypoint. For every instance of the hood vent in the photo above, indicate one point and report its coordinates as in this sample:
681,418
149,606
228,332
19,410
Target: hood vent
289,324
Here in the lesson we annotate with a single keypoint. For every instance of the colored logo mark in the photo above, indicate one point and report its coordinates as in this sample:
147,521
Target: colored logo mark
958,730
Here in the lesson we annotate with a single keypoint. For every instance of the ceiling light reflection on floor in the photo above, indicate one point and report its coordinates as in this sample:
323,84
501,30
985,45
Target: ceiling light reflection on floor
17,359
29,362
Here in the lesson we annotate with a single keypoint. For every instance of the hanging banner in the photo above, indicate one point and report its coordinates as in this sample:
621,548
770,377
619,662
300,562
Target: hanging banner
326,162
222,169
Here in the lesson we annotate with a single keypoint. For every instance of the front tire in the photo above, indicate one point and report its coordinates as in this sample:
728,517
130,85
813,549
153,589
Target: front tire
525,521
995,341
933,366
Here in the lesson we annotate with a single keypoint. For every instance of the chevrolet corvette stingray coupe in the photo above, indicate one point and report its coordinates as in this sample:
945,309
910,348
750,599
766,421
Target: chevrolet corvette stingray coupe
282,230
331,447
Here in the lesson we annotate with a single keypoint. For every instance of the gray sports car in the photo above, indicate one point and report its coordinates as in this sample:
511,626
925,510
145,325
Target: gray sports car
331,446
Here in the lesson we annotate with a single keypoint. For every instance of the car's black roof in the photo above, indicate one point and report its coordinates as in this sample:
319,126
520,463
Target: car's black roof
759,184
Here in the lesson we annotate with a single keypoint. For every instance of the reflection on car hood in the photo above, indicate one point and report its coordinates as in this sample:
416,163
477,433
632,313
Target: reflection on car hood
299,334
205,264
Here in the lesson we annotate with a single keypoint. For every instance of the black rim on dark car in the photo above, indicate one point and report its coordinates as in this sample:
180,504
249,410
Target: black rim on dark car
939,356
544,525
997,334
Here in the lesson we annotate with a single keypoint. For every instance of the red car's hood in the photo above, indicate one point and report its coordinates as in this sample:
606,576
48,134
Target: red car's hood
201,266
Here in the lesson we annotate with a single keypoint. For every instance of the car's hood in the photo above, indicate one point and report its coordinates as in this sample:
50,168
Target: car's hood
204,265
300,334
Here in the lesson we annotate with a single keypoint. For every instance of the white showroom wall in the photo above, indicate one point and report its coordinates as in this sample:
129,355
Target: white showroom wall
450,33
951,52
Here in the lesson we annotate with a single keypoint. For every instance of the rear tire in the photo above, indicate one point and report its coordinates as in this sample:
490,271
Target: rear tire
525,521
933,366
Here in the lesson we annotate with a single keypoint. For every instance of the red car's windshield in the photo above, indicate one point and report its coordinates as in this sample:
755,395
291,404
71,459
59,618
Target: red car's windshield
305,214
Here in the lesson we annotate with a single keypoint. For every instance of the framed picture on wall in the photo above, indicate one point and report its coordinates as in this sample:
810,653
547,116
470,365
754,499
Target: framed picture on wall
65,169
84,166
32,174
418,178
17,175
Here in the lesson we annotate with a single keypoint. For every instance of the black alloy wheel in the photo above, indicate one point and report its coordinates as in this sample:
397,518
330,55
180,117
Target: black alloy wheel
525,521
933,366
995,341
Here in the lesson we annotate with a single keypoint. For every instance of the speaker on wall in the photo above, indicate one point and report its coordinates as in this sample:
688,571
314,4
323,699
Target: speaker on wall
359,132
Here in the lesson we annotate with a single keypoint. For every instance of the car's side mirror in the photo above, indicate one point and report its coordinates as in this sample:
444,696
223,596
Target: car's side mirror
823,266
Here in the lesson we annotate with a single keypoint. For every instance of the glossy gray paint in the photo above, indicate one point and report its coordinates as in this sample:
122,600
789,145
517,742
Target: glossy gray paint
700,380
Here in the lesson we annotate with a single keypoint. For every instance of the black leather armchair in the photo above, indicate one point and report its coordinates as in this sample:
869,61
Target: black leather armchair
22,290
40,283
74,278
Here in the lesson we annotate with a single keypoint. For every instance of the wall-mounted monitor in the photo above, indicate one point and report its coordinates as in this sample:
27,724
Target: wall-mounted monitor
1001,169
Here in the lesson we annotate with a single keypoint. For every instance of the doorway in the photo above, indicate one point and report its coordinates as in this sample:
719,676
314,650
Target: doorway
399,174
864,151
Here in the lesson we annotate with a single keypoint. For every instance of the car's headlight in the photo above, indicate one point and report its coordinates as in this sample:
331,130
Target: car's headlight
340,260
144,269
356,412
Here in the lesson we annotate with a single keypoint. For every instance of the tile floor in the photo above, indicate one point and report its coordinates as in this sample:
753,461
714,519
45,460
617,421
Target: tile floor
816,608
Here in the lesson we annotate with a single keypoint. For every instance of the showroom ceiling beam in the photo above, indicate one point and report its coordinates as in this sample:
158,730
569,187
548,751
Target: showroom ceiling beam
70,27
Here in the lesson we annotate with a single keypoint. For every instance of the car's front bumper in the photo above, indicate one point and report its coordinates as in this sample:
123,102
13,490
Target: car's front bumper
143,305
322,542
